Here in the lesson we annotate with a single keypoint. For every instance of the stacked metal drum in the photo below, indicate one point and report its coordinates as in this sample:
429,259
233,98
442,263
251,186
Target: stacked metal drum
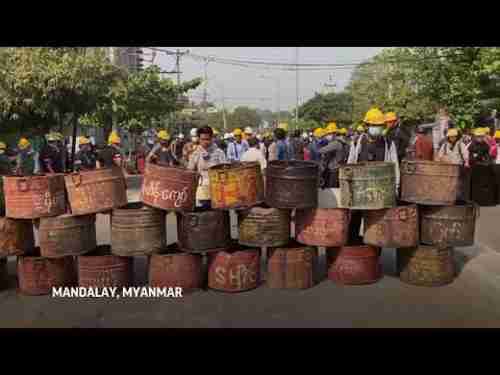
63,208
446,221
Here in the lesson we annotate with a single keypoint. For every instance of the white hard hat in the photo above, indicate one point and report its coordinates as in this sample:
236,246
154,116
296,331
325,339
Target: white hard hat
248,130
181,136
194,132
227,136
304,135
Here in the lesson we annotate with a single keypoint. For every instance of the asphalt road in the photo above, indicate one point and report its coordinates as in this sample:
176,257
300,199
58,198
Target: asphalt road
472,300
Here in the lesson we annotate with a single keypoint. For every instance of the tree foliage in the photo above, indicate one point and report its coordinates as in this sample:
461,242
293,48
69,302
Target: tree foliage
330,107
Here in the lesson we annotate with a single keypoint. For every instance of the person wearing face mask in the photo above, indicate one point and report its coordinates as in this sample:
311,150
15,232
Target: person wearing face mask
85,158
190,147
205,156
372,147
480,149
316,144
397,134
161,153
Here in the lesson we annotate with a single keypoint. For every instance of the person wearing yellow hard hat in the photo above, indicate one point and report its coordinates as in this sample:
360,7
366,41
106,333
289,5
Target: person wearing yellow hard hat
481,151
112,155
453,151
237,148
370,148
318,141
161,153
333,155
27,161
85,158
394,132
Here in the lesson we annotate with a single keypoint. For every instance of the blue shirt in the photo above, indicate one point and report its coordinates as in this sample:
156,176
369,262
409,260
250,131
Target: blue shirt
236,150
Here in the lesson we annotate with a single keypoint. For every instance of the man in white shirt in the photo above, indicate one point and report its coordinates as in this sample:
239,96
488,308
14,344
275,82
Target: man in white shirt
254,153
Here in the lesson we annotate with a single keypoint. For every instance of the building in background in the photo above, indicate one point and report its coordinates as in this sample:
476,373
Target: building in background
130,58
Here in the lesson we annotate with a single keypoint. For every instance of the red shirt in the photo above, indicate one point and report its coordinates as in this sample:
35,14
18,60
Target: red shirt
424,149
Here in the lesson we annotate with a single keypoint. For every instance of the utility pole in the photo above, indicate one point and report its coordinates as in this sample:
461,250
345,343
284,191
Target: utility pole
223,109
297,84
205,94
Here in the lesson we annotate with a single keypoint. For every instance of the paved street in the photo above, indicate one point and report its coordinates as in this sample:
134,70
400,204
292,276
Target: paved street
473,300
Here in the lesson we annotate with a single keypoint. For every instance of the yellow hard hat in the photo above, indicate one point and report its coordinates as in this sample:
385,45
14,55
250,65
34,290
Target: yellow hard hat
390,116
58,136
452,133
237,132
114,138
343,131
3,146
374,117
216,132
83,141
283,126
319,132
23,144
480,132
360,128
497,134
163,135
331,128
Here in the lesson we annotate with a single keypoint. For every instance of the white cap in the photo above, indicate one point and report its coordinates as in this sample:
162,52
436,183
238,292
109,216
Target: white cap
304,135
248,130
259,136
181,136
194,132
227,136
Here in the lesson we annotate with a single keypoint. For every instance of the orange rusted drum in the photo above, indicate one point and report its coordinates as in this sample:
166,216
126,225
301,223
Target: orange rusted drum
176,269
392,227
293,267
96,191
16,237
101,269
34,197
169,188
37,275
236,185
353,265
234,270
322,226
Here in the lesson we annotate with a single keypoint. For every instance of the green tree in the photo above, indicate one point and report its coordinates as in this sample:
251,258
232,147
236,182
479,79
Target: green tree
329,107
242,117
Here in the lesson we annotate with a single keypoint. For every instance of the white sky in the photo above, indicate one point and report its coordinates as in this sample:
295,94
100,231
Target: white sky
242,85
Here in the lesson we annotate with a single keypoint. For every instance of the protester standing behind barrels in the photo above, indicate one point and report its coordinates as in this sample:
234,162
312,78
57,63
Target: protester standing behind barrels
205,156
254,153
85,158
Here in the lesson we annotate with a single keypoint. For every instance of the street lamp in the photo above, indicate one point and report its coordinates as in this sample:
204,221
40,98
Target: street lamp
277,80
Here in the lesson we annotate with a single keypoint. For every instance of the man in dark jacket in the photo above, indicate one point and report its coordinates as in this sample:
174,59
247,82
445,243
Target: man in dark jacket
85,158
161,153
112,154
296,146
332,156
395,133
51,156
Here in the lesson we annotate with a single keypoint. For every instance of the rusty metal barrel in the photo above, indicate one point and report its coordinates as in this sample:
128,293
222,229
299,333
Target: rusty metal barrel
234,270
3,273
484,190
431,183
354,265
176,269
236,185
169,188
100,190
426,265
327,227
203,230
16,237
264,227
101,269
33,197
67,235
138,230
449,226
292,184
293,267
368,186
37,275
392,227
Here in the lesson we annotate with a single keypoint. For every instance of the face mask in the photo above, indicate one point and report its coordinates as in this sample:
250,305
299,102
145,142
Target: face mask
375,131
194,139
329,138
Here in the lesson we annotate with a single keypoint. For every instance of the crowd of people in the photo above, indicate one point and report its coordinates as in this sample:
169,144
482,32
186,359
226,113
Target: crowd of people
380,137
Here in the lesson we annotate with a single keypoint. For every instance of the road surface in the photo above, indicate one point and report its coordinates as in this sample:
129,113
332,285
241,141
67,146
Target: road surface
472,300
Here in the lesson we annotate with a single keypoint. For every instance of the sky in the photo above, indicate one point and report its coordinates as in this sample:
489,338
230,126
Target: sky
246,86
